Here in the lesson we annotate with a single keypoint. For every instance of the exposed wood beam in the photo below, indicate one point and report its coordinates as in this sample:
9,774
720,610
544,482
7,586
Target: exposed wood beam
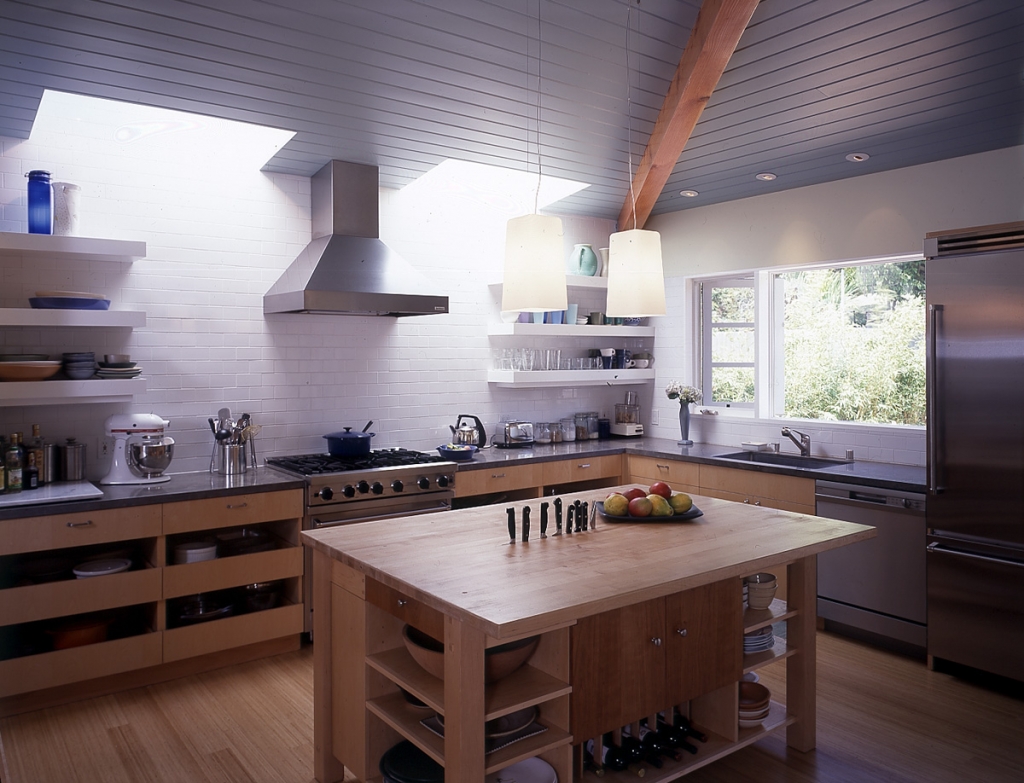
714,38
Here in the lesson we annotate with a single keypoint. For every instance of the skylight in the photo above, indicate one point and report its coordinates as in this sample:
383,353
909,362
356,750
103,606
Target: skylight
150,132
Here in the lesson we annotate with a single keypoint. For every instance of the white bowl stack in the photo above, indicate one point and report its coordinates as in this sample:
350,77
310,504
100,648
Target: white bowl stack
761,590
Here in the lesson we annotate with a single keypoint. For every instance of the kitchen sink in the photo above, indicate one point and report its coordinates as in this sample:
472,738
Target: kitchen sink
784,460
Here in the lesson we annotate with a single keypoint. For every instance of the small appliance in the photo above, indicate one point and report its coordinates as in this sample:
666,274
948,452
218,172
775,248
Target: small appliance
513,434
466,434
141,450
627,417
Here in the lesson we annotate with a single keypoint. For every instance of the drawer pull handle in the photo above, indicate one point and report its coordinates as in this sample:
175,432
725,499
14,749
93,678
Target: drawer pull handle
656,641
497,475
660,467
681,631
237,505
757,502
402,602
583,465
87,523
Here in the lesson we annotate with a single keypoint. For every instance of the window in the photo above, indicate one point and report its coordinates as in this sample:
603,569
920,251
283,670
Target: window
837,343
727,325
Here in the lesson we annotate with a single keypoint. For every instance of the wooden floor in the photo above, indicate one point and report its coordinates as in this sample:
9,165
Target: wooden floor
881,717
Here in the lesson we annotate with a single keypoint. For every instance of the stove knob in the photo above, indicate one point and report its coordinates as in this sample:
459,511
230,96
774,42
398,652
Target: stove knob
442,481
326,493
348,491
423,482
363,487
397,486
377,488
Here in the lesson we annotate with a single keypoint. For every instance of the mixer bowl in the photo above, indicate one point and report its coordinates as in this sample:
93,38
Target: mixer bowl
150,455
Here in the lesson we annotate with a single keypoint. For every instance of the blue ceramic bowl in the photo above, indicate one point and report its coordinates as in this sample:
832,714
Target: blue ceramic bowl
458,453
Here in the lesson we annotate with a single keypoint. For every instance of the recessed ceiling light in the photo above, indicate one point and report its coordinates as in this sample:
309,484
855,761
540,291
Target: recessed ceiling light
857,157
765,176
689,193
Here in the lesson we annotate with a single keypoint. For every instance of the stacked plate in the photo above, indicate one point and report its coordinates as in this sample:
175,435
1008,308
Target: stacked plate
79,366
118,370
68,300
755,703
758,641
195,552
102,567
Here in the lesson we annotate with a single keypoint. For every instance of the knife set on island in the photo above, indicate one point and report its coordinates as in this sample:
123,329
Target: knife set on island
580,517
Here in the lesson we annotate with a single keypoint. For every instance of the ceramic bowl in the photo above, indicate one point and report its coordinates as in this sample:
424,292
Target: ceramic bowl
499,662
459,452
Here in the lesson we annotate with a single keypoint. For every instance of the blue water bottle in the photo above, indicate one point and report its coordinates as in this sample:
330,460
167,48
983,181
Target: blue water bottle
40,203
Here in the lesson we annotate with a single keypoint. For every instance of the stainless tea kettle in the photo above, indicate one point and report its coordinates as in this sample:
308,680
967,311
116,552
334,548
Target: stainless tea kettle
465,435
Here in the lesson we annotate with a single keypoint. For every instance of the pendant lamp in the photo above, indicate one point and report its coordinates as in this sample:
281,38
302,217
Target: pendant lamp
534,278
636,275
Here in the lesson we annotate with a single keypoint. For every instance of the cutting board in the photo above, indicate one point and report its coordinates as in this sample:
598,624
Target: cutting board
59,492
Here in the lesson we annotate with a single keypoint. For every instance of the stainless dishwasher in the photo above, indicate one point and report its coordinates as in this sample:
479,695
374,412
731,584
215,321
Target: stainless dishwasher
879,585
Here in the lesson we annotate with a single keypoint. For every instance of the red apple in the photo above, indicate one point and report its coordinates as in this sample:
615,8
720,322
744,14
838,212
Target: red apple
634,493
640,507
661,488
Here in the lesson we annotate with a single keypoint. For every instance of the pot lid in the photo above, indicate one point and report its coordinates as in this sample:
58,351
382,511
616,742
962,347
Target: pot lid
349,434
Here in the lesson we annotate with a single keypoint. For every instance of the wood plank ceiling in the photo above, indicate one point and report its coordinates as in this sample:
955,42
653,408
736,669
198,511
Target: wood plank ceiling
405,84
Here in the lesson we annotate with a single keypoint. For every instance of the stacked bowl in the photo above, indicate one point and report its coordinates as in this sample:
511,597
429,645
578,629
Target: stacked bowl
761,590
118,366
755,703
79,366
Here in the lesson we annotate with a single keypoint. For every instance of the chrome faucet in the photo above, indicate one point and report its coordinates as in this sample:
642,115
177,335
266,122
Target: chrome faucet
804,444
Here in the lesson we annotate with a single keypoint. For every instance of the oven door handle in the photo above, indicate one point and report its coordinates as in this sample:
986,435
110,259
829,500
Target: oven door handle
439,506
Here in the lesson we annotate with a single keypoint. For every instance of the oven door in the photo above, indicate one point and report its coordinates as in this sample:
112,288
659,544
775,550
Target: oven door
368,511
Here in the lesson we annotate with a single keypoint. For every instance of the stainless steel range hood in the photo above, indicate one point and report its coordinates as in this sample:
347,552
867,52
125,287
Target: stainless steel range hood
346,269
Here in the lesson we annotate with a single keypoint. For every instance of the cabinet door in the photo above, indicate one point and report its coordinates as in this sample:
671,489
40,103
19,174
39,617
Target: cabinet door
773,490
495,478
618,671
703,646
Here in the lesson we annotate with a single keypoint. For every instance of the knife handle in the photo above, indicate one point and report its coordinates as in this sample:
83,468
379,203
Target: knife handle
568,518
511,525
586,514
558,516
544,520
579,516
526,524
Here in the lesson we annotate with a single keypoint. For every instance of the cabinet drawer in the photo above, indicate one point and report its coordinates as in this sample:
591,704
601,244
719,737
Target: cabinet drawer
231,632
755,500
62,667
234,571
678,475
500,478
585,468
405,608
791,489
77,596
249,509
59,531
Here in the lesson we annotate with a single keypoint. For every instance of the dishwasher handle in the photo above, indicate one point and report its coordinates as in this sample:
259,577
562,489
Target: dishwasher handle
856,496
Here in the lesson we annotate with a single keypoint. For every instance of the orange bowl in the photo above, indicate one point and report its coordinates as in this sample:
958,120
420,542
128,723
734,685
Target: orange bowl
499,661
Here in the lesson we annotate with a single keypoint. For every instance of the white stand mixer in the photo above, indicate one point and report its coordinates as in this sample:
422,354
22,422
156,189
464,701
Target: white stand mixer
141,452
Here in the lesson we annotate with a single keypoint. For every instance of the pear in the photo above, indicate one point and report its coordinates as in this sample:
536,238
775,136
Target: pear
660,506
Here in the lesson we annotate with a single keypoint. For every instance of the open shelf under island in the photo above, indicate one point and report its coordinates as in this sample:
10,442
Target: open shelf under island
608,602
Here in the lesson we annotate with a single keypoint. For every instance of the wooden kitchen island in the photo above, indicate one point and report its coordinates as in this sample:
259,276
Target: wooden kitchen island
632,618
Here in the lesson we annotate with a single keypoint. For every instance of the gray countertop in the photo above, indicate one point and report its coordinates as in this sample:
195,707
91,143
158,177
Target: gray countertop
182,486
883,475
196,486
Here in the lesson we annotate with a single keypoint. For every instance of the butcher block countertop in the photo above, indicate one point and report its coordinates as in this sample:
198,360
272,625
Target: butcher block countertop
462,564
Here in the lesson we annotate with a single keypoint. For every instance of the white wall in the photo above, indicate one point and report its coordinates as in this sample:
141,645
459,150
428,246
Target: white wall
216,242
869,216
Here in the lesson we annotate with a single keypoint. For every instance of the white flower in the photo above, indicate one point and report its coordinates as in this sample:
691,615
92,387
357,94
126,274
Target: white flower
685,394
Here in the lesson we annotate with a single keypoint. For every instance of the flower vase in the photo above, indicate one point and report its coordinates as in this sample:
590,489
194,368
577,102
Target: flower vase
684,425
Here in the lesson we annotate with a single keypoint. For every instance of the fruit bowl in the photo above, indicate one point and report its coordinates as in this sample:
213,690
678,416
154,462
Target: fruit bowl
458,452
693,513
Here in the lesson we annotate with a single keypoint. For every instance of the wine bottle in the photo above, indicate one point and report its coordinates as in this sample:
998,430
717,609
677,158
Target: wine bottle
684,725
656,745
588,760
611,755
30,476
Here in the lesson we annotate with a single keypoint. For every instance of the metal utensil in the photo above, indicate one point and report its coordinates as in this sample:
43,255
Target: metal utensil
368,425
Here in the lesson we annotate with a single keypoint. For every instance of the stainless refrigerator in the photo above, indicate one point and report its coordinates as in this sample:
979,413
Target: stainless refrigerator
975,507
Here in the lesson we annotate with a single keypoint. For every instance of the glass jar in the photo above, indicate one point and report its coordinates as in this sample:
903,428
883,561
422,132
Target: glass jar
40,203
593,432
582,431
541,432
568,427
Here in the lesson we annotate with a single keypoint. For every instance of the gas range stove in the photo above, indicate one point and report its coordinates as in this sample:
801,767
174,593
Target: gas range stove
378,475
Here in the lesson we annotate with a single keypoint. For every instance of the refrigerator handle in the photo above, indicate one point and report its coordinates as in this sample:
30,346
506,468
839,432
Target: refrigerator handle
932,401
937,548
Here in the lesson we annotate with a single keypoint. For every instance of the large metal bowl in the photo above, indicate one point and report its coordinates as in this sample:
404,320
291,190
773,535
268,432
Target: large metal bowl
150,455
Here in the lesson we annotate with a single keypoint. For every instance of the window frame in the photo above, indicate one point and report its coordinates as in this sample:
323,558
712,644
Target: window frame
706,330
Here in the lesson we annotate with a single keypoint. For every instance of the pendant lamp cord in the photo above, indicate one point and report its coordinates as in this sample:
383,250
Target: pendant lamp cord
629,112
536,190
